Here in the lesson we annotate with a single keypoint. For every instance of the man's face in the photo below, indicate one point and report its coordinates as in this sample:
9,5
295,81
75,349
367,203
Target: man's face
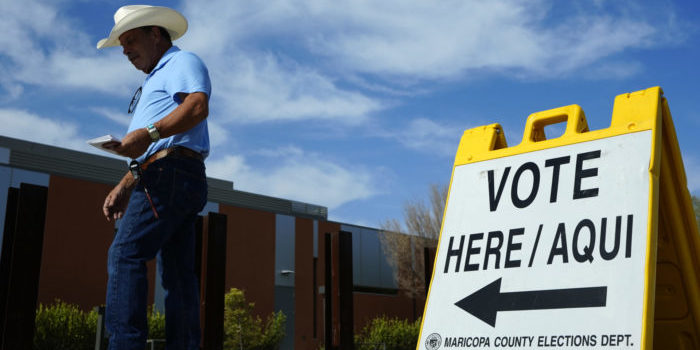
139,46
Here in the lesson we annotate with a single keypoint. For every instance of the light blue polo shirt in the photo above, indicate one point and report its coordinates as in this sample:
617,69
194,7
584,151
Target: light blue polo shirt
176,72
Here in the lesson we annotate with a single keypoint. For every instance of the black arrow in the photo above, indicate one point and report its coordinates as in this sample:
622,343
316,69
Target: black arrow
486,302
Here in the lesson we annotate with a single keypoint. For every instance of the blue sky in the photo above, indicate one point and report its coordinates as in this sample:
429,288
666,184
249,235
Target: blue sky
355,105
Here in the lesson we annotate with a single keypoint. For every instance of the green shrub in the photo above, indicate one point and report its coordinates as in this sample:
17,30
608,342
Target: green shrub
64,326
156,328
156,325
242,330
388,334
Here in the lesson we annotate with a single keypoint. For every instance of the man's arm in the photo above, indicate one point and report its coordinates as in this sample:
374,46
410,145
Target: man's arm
193,109
117,199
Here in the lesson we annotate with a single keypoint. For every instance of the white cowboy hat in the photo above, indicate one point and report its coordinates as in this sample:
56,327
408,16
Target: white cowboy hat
134,16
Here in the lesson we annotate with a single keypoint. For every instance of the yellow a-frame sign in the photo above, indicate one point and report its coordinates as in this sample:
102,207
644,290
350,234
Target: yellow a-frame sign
587,240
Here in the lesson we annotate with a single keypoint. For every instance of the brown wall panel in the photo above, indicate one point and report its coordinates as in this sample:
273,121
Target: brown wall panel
250,255
76,239
303,282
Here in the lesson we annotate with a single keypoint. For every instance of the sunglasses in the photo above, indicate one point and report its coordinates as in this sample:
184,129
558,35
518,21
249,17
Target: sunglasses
134,101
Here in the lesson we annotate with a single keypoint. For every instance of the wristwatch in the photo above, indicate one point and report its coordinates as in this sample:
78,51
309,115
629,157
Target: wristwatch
153,132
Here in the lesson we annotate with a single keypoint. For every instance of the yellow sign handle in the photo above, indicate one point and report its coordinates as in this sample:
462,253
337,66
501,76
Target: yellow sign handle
572,115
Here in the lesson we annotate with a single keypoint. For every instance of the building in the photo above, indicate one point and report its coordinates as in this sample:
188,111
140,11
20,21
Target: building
274,247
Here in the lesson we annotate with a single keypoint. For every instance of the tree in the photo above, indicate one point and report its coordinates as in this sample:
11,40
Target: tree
244,330
403,243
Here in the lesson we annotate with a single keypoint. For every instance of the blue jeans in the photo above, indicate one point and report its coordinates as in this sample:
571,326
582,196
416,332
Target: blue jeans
178,188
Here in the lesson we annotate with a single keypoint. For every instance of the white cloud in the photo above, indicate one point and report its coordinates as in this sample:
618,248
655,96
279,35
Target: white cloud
218,136
428,40
280,152
449,39
28,126
255,50
121,118
107,71
259,84
44,49
612,70
261,88
297,176
426,136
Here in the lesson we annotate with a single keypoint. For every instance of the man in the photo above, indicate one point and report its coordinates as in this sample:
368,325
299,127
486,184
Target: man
158,200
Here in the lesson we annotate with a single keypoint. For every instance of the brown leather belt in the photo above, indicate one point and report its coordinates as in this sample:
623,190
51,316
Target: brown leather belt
172,151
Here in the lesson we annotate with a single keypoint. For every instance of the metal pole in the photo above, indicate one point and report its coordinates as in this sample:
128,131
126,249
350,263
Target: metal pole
100,331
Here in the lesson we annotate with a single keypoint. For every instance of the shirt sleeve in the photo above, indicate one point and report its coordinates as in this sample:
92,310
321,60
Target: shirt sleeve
190,75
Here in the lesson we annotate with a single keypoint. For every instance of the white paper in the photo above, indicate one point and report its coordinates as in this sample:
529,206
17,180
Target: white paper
101,141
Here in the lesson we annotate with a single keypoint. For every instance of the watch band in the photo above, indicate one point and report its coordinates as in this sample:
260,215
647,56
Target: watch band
153,132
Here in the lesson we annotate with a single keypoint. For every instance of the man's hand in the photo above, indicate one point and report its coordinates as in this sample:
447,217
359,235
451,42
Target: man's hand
133,145
116,202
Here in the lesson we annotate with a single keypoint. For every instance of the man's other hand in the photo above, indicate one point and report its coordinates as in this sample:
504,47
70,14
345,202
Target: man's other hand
116,202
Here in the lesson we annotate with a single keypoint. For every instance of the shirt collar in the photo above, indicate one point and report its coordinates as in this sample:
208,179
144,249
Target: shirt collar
165,58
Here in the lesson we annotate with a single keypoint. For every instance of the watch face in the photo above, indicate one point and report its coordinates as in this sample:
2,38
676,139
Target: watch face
153,132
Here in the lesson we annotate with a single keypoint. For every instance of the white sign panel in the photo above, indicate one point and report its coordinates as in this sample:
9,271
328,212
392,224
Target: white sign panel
544,250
